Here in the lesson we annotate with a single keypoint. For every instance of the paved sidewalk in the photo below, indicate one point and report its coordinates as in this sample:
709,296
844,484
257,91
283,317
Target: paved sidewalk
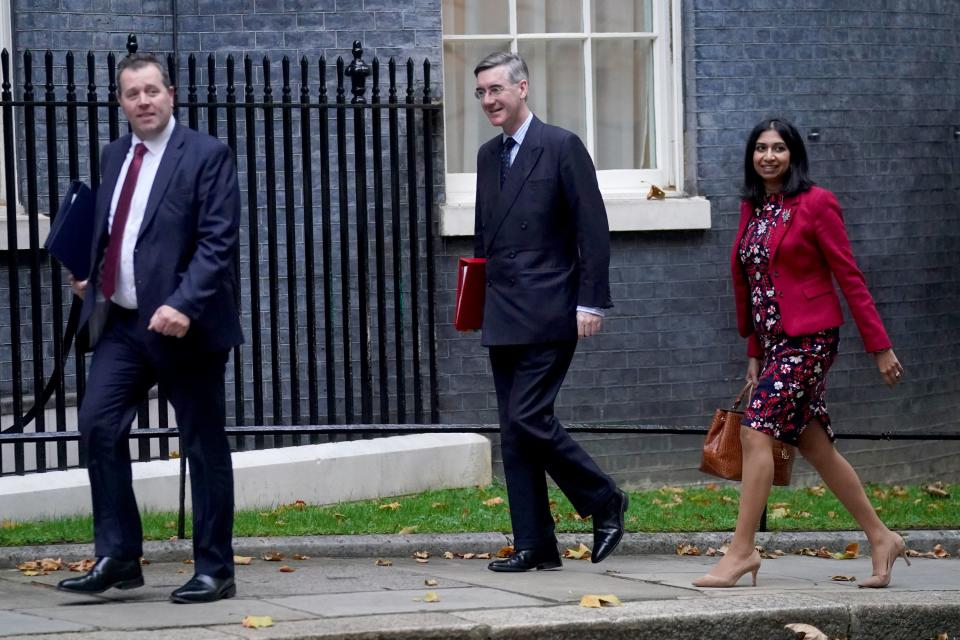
352,597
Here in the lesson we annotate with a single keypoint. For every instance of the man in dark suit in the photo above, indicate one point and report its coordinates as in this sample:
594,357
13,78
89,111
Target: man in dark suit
542,226
160,307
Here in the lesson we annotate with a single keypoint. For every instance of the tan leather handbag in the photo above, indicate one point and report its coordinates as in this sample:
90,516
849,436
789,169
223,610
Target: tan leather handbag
722,453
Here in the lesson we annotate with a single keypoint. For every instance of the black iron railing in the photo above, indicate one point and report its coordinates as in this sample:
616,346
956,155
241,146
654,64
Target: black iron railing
331,331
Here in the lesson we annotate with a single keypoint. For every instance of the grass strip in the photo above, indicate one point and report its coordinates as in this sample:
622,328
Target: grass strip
476,509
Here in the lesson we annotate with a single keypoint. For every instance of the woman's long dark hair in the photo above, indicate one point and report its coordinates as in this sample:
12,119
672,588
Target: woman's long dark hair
797,179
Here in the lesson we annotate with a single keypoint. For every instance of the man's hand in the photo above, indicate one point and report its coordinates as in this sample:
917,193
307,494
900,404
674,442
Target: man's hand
588,324
169,322
79,287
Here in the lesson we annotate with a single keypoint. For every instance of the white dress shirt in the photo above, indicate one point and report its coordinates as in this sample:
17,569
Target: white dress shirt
126,292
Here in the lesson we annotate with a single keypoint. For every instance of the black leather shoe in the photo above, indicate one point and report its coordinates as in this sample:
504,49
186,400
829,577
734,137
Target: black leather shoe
203,588
107,573
608,526
526,559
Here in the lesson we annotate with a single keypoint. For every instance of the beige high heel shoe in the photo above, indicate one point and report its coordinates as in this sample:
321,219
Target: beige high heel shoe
718,582
883,579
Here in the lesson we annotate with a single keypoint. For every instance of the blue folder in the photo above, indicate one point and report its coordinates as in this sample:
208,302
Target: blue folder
71,233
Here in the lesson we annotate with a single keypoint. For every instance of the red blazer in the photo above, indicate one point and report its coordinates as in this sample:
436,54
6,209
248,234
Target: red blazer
809,245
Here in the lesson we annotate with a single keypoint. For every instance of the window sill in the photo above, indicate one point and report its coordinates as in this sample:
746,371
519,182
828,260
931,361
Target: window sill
624,213
23,228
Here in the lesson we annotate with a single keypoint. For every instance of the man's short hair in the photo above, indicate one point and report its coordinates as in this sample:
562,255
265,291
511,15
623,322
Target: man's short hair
136,61
516,67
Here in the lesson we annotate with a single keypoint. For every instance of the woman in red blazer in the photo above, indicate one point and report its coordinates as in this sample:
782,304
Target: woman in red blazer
791,244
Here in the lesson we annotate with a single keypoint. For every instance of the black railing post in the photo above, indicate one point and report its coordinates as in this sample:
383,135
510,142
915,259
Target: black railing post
326,232
306,152
290,227
358,72
411,116
428,226
396,234
193,117
270,169
381,277
344,245
113,106
73,163
238,377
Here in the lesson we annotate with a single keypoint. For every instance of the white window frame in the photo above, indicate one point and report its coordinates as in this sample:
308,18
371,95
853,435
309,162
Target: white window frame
624,190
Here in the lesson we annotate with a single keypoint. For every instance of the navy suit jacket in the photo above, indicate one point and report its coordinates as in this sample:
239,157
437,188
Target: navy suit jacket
544,235
186,246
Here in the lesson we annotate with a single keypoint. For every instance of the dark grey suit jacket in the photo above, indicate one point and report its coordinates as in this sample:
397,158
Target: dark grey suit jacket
187,242
544,235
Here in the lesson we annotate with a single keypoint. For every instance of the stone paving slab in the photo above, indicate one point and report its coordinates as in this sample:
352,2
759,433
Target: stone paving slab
352,599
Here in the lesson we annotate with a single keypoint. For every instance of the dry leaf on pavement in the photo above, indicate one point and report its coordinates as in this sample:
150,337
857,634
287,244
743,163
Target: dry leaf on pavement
505,552
300,556
687,550
448,555
188,561
82,566
421,555
591,601
242,560
257,622
381,562
286,569
483,556
272,556
431,597
430,582
393,506
807,632
850,552
467,556
492,502
655,193
580,553
843,578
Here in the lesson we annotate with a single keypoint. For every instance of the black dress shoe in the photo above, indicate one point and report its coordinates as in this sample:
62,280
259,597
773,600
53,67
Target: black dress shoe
526,559
203,588
608,526
106,574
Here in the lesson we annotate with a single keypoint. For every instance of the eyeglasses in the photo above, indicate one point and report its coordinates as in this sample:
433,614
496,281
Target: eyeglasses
493,92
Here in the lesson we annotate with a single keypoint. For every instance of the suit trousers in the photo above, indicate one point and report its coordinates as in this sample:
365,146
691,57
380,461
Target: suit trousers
121,373
534,443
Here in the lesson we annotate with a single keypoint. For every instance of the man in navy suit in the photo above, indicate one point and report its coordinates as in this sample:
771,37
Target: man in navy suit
542,226
160,307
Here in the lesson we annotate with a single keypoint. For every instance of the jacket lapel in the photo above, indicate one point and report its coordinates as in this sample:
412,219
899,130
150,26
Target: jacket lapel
108,184
523,164
790,207
168,164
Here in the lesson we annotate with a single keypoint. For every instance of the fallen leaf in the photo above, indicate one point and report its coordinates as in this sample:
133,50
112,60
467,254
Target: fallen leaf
421,555
242,560
339,517
937,490
899,491
393,506
467,556
655,193
257,622
940,552
49,564
831,514
188,561
8,524
687,550
595,602
144,562
880,493
817,490
843,578
407,530
580,553
803,514
381,562
438,505
852,551
779,513
505,552
492,502
32,573
431,597
82,566
172,538
710,552
181,570
421,560
286,569
807,632
711,486
299,505
298,556
726,499
430,582
448,555
483,556
170,524
272,556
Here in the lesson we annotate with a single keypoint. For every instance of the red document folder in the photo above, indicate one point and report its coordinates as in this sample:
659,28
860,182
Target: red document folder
471,285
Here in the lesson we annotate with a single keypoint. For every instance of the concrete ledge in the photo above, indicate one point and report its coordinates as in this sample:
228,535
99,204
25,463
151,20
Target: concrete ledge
318,474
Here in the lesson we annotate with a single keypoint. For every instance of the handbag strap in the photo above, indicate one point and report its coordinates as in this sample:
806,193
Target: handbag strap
747,391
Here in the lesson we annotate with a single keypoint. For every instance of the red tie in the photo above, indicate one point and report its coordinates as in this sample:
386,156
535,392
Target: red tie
111,261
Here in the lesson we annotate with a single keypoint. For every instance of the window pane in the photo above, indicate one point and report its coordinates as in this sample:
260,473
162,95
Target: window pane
466,126
624,109
549,16
621,15
467,17
557,92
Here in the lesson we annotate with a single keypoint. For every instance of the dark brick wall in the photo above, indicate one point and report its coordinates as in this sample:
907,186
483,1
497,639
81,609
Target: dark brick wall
881,85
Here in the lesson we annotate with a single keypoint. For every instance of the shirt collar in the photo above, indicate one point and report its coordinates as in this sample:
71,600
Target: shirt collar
522,131
158,144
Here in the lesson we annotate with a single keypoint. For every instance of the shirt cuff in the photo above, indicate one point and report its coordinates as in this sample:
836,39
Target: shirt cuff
595,311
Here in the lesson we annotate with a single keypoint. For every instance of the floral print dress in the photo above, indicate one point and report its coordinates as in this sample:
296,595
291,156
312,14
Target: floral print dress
793,373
